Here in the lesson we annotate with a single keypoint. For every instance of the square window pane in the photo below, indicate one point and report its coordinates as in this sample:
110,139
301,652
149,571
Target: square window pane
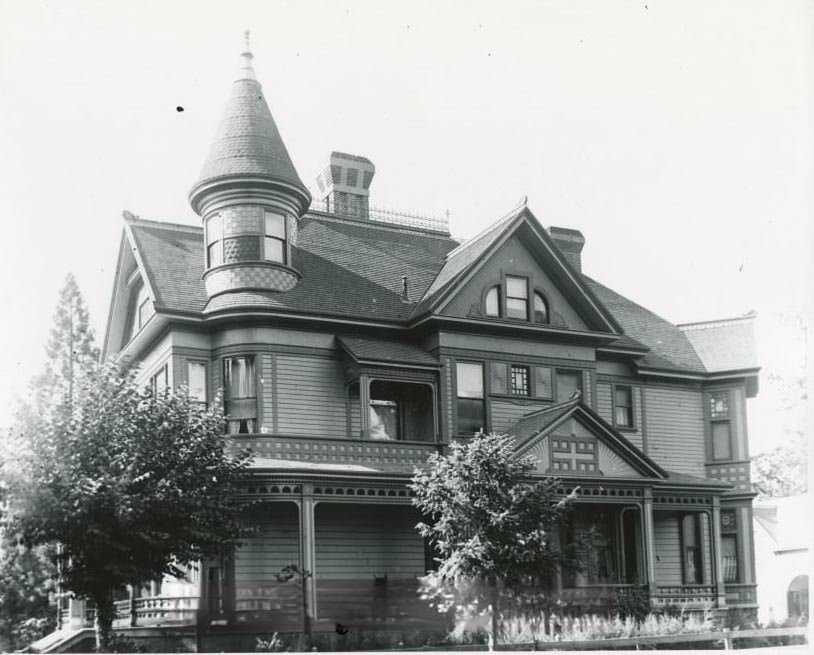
517,308
517,287
274,250
275,225
470,380
520,380
721,446
719,404
196,372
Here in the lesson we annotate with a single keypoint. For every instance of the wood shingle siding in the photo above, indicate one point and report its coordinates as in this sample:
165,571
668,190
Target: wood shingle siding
675,429
310,396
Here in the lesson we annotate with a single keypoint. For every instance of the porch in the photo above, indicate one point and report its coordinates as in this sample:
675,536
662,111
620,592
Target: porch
363,558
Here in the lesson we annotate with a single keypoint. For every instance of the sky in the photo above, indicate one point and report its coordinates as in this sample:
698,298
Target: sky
677,136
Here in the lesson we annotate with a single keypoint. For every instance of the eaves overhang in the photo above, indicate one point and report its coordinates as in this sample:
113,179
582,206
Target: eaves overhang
507,328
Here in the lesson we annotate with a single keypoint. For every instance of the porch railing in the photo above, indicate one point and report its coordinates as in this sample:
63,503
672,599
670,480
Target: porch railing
156,610
691,596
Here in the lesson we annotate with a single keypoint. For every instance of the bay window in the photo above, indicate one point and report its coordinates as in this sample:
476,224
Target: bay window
720,425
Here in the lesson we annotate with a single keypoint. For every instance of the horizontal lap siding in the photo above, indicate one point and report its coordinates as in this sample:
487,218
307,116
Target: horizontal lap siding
668,550
272,544
355,545
675,429
310,397
364,542
604,406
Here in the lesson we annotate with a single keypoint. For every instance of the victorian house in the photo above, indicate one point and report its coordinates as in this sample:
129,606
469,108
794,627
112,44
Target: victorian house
351,343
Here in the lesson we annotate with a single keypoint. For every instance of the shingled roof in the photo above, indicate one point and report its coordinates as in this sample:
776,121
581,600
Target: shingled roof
355,269
247,142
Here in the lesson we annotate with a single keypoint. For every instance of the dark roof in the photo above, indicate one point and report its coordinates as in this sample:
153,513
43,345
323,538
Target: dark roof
536,422
669,346
683,478
247,141
172,256
354,269
368,349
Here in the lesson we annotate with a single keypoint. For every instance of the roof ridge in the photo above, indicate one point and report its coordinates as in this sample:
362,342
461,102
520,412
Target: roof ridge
717,322
325,217
137,220
484,232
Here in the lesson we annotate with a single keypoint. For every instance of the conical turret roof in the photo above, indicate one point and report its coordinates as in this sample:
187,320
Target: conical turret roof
247,142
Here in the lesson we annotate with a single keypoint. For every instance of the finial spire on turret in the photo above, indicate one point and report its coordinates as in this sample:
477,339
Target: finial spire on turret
246,70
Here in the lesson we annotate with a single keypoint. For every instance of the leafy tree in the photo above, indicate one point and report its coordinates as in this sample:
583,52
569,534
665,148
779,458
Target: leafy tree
489,521
782,471
133,485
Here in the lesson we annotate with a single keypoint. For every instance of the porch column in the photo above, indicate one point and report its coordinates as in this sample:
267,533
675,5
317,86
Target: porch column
648,535
717,567
308,553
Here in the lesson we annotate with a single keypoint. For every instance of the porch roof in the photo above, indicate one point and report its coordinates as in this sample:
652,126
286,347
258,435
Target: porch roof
384,351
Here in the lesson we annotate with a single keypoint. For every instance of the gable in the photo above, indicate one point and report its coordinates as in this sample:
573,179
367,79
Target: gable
571,439
515,259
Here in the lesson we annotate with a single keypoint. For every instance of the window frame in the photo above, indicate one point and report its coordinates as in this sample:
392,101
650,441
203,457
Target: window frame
206,369
556,386
266,235
368,403
458,397
215,242
719,420
523,369
164,370
621,426
255,357
501,288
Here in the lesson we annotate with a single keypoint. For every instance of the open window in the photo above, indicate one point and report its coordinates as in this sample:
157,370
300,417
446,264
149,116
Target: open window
401,411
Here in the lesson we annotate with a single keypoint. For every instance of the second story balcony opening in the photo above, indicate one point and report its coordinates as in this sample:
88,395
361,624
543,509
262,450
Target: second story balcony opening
401,411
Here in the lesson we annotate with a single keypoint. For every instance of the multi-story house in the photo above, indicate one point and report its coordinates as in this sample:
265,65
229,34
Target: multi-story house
351,344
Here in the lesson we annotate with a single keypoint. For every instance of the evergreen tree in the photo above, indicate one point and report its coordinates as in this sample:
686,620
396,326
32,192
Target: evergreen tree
27,576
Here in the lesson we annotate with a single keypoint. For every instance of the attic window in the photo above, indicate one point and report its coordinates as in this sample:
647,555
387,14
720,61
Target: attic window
515,291
141,309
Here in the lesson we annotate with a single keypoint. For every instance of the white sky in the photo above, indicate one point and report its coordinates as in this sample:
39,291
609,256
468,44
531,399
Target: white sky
676,135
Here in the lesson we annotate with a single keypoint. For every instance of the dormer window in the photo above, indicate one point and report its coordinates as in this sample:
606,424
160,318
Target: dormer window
515,291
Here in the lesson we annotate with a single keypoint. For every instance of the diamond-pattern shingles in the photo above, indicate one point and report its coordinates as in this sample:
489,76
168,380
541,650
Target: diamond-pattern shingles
247,141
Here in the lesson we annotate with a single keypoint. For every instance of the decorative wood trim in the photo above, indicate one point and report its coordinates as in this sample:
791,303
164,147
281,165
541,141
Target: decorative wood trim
484,355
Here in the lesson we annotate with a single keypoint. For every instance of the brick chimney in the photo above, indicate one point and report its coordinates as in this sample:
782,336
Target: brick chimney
345,185
570,242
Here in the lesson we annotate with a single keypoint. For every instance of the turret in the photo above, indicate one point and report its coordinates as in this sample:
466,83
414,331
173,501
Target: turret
249,197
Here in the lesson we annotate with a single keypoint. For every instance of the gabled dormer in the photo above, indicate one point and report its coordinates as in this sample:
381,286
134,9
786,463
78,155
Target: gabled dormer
514,275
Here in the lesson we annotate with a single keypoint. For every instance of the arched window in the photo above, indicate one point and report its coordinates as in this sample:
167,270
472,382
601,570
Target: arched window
540,308
493,301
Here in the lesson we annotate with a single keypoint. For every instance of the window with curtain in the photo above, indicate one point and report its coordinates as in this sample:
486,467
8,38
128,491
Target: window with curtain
196,382
623,406
240,395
